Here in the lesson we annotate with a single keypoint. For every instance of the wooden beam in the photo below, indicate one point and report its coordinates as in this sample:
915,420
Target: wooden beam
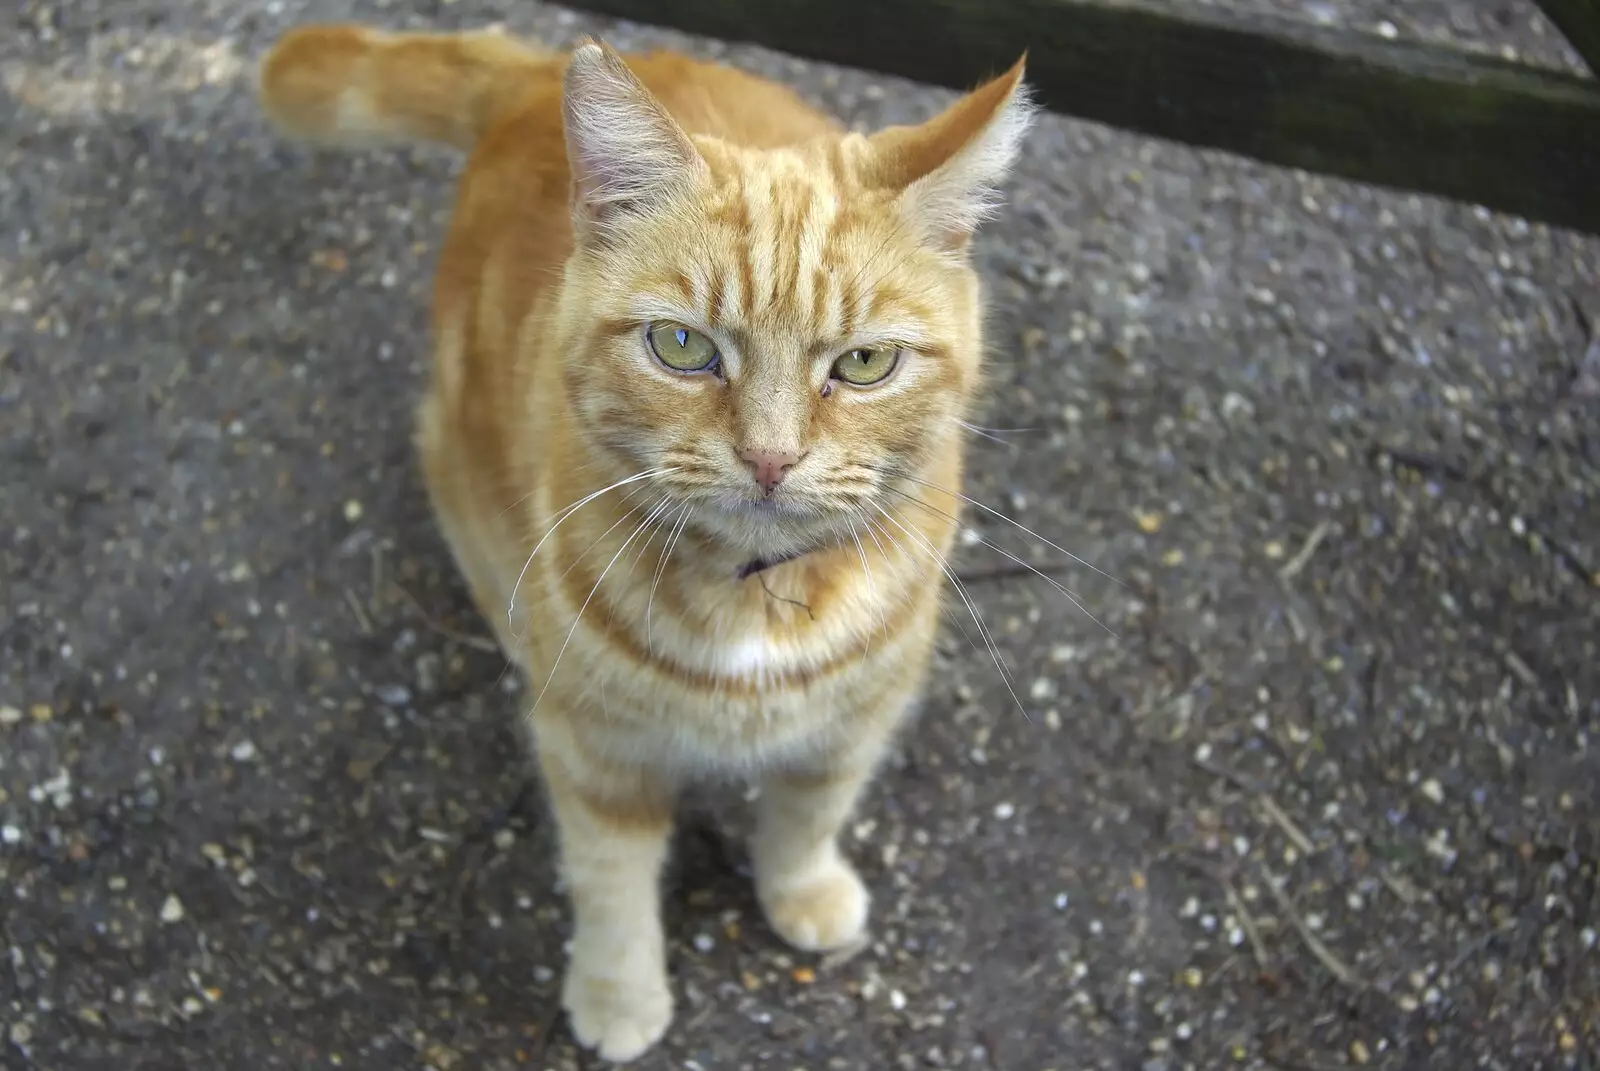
1409,116
1579,23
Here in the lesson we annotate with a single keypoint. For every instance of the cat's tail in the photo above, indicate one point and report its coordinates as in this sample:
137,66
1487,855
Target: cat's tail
348,85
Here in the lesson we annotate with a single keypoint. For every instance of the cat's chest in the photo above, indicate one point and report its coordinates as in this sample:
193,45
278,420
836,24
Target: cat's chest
754,656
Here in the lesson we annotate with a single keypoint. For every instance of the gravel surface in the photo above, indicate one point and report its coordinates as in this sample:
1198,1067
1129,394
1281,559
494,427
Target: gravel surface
1314,784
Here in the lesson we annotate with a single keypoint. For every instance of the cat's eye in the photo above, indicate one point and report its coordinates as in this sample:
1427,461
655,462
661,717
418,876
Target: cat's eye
864,367
682,349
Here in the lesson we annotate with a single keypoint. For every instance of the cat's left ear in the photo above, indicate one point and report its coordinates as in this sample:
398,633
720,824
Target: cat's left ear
626,153
950,168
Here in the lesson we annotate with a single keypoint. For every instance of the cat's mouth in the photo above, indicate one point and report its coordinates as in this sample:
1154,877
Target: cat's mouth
769,531
770,510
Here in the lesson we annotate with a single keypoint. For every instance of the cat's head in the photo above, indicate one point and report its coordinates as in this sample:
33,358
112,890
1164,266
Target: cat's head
785,335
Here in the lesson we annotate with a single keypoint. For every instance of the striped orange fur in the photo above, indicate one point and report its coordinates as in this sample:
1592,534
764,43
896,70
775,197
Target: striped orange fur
605,497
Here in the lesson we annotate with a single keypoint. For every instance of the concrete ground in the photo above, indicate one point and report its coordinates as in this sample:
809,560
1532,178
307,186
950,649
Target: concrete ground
1318,789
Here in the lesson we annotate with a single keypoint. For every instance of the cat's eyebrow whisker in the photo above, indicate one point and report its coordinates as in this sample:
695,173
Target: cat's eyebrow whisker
972,607
568,511
587,599
1071,596
991,511
865,264
661,568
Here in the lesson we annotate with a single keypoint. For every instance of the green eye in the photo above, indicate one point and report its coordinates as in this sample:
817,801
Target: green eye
681,349
863,368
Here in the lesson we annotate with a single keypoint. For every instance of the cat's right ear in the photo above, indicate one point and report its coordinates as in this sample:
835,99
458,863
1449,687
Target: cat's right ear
625,152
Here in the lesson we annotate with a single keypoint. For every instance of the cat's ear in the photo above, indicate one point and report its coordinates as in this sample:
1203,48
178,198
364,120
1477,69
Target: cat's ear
625,152
951,166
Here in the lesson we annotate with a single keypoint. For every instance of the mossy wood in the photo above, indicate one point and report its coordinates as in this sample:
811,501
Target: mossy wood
1416,117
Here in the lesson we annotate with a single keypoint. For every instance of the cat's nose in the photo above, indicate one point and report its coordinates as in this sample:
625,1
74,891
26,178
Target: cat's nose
769,466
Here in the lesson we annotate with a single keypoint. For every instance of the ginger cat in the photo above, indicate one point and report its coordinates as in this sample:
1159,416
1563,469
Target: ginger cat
693,435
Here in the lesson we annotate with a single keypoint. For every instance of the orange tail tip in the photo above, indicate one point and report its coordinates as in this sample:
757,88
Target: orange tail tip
350,85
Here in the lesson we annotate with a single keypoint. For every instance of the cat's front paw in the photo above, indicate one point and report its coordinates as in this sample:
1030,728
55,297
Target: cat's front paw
824,912
618,1019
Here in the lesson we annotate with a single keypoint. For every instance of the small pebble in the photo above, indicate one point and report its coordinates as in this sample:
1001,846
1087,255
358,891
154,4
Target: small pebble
504,839
1359,1052
394,695
10,715
704,943
10,834
352,511
1433,790
1004,811
803,975
243,751
172,910
1149,523
897,1000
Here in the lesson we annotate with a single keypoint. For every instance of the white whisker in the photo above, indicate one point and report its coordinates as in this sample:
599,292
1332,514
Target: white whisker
563,515
1015,524
985,433
875,530
872,587
644,544
661,568
1071,596
579,616
972,607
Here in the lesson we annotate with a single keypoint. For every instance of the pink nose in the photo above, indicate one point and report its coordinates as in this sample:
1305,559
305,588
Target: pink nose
769,466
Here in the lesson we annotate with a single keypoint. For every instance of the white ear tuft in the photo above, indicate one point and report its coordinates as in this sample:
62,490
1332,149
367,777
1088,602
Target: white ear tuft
951,202
952,166
625,152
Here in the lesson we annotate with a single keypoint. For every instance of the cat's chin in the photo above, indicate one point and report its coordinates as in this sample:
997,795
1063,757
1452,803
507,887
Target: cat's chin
770,528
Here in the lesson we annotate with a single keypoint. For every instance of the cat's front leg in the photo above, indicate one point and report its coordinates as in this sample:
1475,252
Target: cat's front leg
614,824
810,892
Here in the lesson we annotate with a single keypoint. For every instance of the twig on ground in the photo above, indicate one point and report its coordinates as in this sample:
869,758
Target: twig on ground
362,619
1247,923
477,643
1296,835
1293,567
1269,806
1522,669
1008,572
1336,966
